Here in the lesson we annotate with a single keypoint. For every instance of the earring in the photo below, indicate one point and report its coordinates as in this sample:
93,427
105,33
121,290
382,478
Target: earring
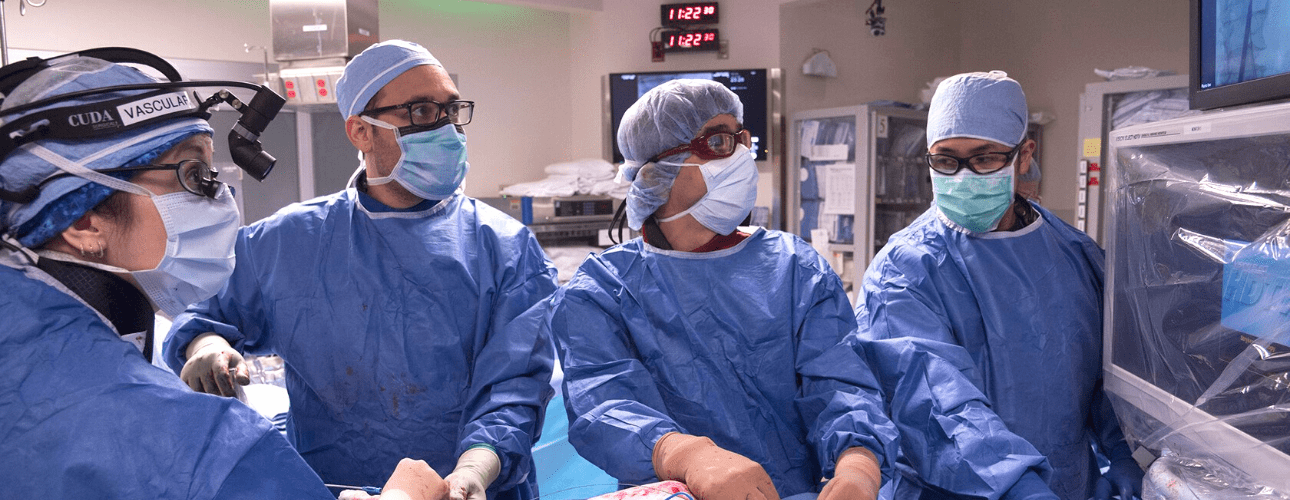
97,251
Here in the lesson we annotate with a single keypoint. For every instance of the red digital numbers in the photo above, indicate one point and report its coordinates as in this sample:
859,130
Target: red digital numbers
691,40
685,13
688,13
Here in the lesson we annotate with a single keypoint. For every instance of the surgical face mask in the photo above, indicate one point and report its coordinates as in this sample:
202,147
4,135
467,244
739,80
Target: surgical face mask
433,162
200,234
976,202
732,191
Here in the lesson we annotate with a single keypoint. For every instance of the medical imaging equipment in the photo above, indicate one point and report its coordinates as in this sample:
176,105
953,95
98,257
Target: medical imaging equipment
1238,52
1197,342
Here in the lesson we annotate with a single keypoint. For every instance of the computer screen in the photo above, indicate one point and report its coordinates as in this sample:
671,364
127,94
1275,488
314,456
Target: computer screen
1240,52
748,84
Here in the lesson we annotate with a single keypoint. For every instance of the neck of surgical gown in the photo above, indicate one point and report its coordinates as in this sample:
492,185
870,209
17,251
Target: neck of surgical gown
403,332
1019,313
84,415
742,345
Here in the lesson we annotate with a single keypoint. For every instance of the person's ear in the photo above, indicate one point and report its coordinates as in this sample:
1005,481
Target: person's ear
360,134
1024,155
87,237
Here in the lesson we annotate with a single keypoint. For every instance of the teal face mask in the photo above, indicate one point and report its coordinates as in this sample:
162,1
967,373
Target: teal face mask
433,162
974,201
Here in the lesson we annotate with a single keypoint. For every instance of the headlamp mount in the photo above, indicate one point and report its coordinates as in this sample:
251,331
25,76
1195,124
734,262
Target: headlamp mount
161,101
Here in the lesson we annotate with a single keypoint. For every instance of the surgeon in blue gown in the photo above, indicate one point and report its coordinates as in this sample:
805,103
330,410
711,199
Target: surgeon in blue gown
1011,295
83,265
700,345
398,305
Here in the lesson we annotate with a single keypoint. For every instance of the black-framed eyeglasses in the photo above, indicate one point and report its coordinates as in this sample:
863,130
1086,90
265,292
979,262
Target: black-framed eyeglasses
712,145
984,163
426,113
194,175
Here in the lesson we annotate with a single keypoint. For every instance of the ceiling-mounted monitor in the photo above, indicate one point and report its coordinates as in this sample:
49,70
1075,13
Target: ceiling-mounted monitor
1240,52
749,84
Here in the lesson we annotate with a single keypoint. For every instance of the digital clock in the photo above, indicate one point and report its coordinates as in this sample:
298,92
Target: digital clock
691,40
685,14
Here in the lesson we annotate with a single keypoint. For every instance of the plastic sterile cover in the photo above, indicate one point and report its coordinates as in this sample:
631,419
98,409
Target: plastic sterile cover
1198,291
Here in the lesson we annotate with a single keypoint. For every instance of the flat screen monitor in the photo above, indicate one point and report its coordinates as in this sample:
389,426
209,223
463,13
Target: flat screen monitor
1240,52
748,84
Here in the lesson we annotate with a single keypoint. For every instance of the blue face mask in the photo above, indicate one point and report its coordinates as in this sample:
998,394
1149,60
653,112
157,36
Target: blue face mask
976,202
732,191
433,162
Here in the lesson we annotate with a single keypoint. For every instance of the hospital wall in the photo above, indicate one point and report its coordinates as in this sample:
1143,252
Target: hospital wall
513,60
537,72
616,40
1050,46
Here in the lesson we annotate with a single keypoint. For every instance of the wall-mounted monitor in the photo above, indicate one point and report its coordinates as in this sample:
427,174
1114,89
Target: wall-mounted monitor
749,84
1240,52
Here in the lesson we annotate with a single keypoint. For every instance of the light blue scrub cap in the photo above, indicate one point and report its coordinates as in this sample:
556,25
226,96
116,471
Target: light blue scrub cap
987,106
370,70
64,200
667,116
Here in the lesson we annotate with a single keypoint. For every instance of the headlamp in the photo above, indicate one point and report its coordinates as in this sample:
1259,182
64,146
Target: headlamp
163,101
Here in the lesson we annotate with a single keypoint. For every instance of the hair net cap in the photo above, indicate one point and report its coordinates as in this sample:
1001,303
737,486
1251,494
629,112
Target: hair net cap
1031,175
372,69
667,116
987,106
65,199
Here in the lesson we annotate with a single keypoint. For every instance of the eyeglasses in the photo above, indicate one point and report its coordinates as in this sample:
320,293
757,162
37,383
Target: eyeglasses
712,145
983,163
195,176
426,113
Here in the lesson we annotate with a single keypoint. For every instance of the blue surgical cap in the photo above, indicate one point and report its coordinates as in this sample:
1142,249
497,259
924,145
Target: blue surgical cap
376,66
987,106
64,200
667,116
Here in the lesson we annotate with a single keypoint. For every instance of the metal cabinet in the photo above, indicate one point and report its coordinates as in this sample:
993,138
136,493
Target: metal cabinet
855,176
1105,106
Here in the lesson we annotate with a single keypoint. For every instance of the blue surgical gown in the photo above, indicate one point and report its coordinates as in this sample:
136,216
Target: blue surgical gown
404,333
746,346
1019,313
84,415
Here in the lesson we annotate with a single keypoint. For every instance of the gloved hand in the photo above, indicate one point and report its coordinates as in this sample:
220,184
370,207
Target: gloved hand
214,367
356,495
1124,477
476,469
856,476
710,472
414,480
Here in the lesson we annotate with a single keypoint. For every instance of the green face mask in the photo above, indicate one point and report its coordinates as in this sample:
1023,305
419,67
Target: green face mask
974,201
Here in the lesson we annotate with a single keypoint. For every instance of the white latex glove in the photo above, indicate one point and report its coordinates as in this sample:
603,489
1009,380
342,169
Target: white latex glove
214,367
476,470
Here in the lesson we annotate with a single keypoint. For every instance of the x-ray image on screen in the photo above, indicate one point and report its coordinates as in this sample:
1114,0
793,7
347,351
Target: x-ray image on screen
1251,40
